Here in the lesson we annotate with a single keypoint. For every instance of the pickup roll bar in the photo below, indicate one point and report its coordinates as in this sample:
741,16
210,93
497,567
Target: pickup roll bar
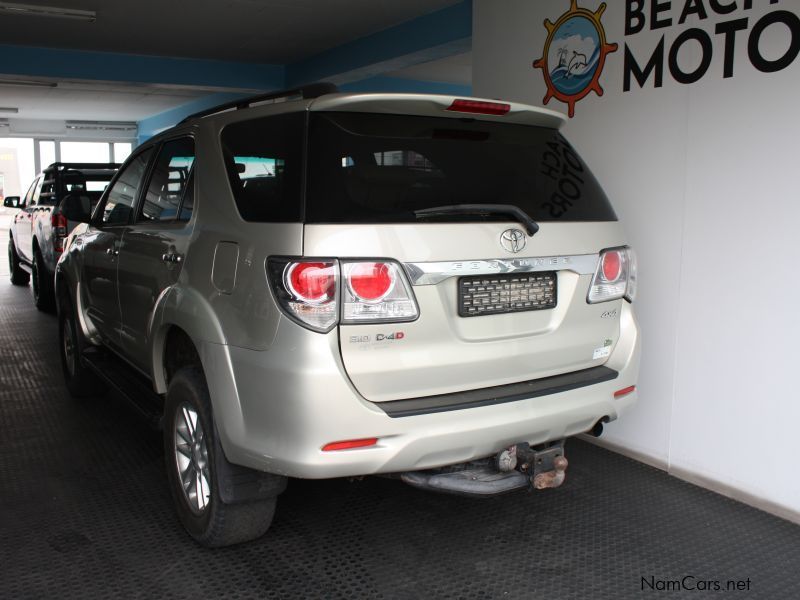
312,90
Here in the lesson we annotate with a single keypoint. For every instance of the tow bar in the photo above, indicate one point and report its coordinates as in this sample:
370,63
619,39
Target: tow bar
519,466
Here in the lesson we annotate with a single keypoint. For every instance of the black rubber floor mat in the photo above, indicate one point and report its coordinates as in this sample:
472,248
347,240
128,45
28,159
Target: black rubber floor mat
85,513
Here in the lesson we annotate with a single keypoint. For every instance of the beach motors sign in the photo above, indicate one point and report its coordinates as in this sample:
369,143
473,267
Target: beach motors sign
577,50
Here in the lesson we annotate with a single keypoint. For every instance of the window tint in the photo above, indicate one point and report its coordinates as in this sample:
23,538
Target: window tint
169,181
120,199
264,163
372,168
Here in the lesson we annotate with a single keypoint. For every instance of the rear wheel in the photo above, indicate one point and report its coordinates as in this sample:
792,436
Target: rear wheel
42,288
195,462
81,381
18,275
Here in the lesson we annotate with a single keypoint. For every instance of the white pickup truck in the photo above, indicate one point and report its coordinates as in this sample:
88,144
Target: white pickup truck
37,233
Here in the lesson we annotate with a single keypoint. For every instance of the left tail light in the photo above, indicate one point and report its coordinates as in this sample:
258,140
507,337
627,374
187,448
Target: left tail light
307,291
59,225
317,293
615,277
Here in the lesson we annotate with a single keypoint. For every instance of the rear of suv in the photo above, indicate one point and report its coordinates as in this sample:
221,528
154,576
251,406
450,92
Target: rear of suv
322,285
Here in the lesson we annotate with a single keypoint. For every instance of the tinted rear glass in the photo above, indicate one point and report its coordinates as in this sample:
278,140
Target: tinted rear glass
369,168
264,160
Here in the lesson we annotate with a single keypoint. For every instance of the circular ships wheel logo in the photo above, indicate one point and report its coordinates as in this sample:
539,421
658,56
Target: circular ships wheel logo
574,55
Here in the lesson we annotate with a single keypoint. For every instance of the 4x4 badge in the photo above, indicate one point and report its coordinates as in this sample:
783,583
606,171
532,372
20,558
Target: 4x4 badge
513,240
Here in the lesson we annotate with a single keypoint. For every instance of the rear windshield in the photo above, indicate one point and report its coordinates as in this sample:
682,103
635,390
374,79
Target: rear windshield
375,168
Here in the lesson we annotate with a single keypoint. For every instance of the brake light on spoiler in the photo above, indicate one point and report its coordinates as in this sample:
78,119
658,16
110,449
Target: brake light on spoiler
318,293
480,107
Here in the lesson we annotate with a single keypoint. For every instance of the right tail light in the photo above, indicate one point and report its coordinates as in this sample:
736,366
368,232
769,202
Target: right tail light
318,293
615,277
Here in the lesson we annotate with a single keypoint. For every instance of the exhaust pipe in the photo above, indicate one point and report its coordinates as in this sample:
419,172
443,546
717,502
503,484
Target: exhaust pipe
597,430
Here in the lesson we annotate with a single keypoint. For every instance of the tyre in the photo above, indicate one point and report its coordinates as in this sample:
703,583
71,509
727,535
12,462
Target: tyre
81,381
18,275
42,284
196,465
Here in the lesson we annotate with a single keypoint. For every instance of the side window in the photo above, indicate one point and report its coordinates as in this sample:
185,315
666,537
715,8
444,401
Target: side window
263,158
48,195
37,192
29,194
121,197
169,181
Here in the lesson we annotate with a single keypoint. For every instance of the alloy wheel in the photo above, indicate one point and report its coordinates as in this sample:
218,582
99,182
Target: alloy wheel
191,458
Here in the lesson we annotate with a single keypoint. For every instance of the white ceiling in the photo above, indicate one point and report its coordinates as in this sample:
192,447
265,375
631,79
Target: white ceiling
262,31
89,100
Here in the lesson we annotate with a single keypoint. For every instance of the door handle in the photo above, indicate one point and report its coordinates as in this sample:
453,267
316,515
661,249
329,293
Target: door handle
112,251
171,258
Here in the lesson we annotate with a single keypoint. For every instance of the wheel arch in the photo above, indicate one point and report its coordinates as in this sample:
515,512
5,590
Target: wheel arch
180,318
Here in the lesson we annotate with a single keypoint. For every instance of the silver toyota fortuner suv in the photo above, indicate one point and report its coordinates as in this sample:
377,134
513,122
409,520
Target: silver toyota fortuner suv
315,285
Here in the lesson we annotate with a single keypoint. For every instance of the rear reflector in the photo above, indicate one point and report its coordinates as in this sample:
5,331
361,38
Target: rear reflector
480,108
349,444
624,391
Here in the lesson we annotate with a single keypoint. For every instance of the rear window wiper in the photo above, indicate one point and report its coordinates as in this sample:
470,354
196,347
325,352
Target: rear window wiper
482,209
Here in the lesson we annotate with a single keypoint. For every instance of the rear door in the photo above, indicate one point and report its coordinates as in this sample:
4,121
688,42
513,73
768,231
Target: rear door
102,244
154,246
497,305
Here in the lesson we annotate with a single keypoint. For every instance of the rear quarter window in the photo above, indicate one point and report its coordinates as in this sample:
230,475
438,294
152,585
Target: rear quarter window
264,162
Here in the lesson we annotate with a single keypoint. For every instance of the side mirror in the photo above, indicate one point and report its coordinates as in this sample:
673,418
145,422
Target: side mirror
76,207
12,202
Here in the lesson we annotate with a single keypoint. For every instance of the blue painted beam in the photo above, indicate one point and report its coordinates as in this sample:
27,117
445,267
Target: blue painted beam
440,34
134,68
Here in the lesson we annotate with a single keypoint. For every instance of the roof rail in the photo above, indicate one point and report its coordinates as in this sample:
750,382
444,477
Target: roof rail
81,165
312,90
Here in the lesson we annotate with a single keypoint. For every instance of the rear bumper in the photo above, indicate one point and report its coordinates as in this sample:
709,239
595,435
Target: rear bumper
276,409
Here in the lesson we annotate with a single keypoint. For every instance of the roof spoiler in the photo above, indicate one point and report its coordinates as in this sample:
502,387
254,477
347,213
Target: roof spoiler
312,90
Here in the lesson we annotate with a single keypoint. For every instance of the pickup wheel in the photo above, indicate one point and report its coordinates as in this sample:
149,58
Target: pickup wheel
42,285
18,275
195,460
81,381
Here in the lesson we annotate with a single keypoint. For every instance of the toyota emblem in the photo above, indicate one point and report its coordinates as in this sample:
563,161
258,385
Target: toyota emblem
513,240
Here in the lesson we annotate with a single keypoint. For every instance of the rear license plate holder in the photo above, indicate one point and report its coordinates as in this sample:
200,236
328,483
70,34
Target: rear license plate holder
481,295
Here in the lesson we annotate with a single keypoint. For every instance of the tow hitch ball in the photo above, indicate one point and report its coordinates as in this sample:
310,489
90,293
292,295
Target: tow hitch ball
544,465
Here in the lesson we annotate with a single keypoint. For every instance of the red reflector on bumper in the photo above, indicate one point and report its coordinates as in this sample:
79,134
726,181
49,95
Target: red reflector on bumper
480,108
624,391
348,444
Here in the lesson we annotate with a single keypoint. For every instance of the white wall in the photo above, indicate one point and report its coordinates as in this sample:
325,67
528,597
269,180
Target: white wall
706,179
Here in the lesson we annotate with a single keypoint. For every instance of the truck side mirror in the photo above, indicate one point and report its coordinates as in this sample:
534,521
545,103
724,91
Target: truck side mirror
12,202
76,207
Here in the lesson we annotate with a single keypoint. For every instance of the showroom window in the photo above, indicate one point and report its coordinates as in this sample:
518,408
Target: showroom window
17,165
82,152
